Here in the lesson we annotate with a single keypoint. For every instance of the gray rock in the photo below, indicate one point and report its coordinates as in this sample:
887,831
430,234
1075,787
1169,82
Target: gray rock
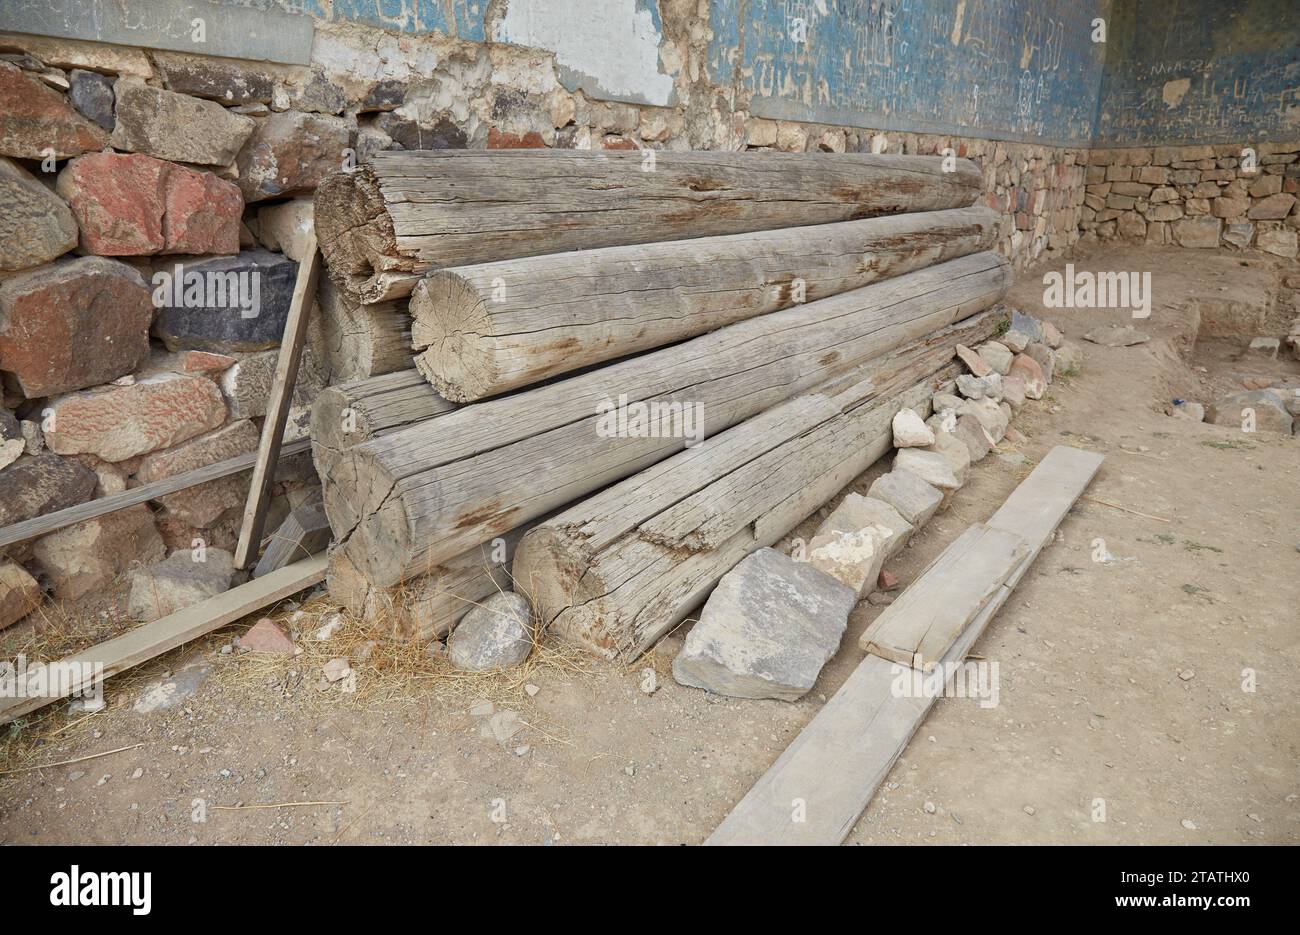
92,94
858,512
1117,336
496,634
1183,409
914,499
179,582
1269,407
942,401
42,484
996,354
931,466
170,692
1069,358
247,385
252,321
1015,341
1027,324
1046,358
766,631
971,386
176,126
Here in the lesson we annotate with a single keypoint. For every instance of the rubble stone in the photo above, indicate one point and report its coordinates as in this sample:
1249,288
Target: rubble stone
42,484
36,119
766,631
175,126
35,225
119,422
493,635
88,557
223,320
914,499
74,324
179,582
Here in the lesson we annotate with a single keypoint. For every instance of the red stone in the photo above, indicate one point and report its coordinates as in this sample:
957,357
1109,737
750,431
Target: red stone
36,119
499,140
266,637
617,142
74,324
887,581
132,204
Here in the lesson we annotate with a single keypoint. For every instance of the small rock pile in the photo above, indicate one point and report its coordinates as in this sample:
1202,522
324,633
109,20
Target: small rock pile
774,620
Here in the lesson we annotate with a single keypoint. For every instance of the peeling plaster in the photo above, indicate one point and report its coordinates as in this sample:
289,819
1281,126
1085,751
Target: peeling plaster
608,49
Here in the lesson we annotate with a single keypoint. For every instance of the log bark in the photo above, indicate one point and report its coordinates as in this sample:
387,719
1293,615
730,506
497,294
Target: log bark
423,494
619,570
405,213
361,341
352,413
493,327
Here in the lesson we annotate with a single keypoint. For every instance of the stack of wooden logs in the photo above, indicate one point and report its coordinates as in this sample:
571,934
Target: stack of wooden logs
795,302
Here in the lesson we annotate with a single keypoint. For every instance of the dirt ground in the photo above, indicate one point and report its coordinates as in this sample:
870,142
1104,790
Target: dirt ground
1123,683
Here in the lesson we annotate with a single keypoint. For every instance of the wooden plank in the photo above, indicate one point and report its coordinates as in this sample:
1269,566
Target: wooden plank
493,327
917,629
305,532
42,525
277,407
406,501
153,639
829,774
402,214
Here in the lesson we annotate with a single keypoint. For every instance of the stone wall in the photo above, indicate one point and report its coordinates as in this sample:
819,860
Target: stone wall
1196,196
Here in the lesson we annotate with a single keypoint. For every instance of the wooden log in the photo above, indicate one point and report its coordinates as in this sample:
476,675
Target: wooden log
360,341
352,413
424,494
388,222
618,570
494,327
429,606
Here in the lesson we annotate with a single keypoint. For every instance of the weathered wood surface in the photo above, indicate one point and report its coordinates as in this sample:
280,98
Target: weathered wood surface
49,522
836,763
153,639
493,327
277,406
618,570
424,494
351,413
305,532
428,606
405,213
360,341
917,629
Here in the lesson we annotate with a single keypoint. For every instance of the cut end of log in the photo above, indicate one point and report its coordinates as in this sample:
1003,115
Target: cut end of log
452,330
353,228
548,569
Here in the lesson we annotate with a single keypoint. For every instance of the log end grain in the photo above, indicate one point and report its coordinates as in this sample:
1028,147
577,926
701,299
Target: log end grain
353,227
452,331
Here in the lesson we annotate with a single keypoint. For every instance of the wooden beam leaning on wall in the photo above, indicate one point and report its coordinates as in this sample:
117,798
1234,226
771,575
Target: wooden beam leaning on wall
834,766
277,407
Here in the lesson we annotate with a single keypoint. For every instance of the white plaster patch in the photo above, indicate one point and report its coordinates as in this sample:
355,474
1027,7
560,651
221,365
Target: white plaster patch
1175,91
613,44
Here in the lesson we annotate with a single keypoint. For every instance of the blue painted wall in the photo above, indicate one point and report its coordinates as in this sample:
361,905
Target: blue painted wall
1003,69
1201,71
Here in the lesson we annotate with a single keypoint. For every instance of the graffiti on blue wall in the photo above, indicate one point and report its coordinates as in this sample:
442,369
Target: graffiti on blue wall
1008,69
1202,71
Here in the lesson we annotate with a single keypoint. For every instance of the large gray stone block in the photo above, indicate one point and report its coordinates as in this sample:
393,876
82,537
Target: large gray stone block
766,630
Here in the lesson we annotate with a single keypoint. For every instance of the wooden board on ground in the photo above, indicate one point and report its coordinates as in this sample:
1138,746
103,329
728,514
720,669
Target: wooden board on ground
153,639
818,788
277,407
917,629
50,522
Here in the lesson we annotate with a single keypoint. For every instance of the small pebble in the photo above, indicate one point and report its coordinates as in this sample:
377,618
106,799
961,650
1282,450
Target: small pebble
930,808
1188,824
